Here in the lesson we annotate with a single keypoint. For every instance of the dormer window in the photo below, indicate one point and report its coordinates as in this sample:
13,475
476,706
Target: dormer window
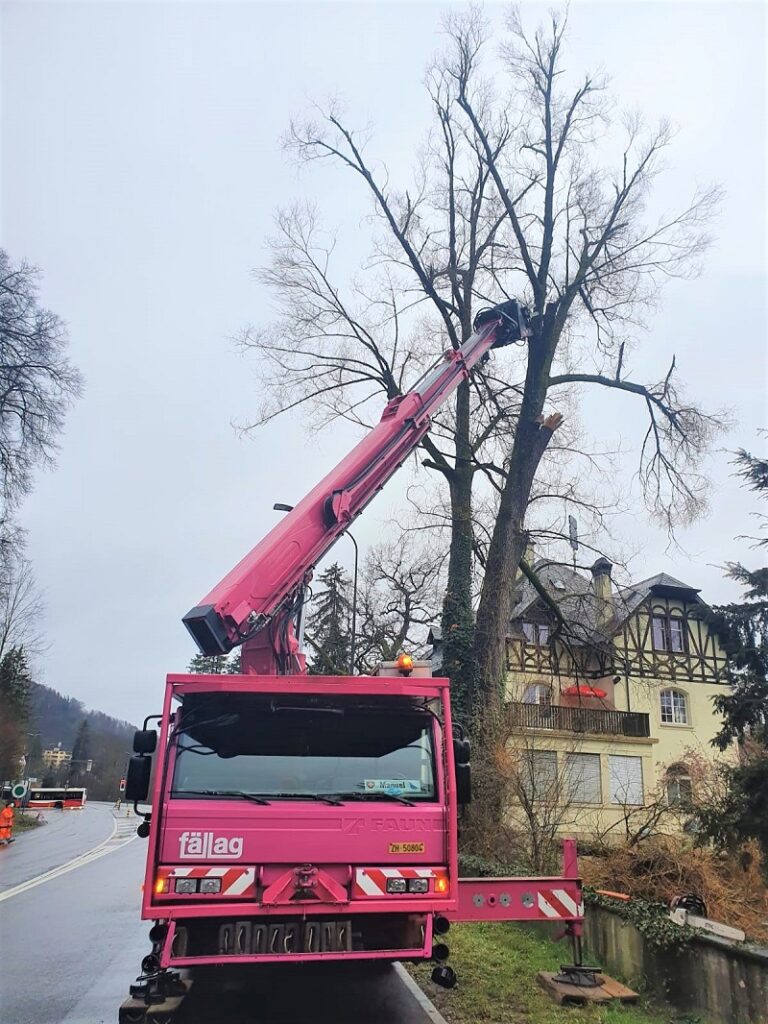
669,633
536,633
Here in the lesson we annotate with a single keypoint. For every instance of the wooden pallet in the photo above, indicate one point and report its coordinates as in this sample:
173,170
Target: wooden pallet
575,995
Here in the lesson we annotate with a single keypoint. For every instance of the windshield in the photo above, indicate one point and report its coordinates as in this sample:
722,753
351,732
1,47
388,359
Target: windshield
237,747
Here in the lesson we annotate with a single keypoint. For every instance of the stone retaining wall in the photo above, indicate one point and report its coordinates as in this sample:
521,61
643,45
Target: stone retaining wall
725,982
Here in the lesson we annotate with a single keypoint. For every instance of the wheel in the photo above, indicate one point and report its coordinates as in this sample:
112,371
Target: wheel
160,1018
132,1017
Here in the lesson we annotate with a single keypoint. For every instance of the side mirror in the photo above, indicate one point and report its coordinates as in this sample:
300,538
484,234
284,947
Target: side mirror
461,756
144,741
137,778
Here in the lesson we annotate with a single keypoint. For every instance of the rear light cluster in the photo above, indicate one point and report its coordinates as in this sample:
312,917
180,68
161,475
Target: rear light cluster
400,885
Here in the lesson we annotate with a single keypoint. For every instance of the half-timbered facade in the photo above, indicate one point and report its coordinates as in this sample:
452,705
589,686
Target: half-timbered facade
613,706
618,701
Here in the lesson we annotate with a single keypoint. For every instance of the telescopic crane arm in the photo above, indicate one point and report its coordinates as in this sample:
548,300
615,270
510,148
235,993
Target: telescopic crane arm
257,602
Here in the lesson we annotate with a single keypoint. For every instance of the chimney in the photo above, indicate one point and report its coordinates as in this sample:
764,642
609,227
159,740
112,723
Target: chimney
529,555
603,591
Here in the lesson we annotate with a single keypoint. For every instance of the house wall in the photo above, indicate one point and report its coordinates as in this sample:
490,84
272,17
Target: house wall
698,673
641,674
587,820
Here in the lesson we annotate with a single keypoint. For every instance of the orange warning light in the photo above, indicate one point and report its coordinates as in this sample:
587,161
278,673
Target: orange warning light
441,884
404,664
162,885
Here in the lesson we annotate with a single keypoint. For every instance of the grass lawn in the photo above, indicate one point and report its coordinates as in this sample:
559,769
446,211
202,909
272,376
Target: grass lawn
23,822
497,965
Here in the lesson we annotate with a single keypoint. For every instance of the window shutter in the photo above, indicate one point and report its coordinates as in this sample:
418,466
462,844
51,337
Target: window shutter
582,773
626,775
539,774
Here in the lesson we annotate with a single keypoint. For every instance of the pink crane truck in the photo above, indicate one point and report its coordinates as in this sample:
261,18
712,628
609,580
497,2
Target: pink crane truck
298,818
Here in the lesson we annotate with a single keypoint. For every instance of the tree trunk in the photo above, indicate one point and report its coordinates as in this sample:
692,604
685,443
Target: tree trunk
457,618
509,538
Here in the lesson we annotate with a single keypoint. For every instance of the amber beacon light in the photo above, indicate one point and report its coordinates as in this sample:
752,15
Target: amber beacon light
404,664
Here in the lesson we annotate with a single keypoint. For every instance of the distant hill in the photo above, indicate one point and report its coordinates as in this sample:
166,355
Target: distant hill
57,719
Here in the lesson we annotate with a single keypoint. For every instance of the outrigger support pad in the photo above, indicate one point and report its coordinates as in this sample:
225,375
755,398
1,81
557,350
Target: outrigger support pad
577,973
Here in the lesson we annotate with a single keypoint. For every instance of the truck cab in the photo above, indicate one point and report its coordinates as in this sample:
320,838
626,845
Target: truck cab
302,817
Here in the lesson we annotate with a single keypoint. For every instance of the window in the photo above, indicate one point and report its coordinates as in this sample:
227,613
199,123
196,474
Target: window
678,786
536,633
674,707
538,694
626,775
538,774
669,633
582,777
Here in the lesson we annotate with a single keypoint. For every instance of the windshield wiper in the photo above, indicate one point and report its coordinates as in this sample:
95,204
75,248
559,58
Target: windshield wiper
332,799
222,792
379,796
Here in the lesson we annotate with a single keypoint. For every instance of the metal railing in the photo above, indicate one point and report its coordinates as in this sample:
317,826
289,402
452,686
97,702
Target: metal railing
591,720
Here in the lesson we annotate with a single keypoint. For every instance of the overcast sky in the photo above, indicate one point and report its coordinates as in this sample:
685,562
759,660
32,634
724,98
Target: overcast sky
141,167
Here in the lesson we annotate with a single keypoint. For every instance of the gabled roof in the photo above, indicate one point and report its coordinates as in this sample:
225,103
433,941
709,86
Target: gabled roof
581,607
629,600
574,595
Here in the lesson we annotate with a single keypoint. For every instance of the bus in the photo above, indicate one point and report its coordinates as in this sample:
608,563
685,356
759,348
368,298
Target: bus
67,798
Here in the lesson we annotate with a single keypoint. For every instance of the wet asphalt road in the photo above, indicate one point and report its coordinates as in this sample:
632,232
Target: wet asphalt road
71,943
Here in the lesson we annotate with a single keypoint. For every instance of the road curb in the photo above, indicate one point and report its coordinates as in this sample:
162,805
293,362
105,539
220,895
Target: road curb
424,1002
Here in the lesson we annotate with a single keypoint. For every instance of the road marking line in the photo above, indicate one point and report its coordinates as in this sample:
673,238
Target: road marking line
77,862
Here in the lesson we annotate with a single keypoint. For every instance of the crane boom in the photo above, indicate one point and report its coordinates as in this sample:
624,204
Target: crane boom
258,600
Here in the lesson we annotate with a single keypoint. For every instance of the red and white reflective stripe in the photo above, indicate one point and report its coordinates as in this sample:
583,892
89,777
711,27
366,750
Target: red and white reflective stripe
557,903
373,881
234,881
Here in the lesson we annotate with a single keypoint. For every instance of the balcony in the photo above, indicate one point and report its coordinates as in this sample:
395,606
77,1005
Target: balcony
581,720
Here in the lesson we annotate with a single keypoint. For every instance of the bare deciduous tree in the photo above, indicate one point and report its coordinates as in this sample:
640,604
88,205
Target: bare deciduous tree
21,609
37,386
399,598
540,800
536,193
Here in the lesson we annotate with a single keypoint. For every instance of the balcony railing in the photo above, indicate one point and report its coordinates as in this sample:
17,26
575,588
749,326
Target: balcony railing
591,720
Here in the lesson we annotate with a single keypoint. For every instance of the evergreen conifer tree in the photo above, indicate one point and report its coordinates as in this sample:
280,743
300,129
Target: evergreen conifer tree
743,625
15,684
329,624
81,751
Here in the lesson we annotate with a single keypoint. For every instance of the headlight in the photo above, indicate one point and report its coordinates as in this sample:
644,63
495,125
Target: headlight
396,885
210,885
418,885
185,885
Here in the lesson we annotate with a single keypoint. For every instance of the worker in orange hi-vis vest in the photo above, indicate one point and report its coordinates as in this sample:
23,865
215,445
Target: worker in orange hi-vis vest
6,823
